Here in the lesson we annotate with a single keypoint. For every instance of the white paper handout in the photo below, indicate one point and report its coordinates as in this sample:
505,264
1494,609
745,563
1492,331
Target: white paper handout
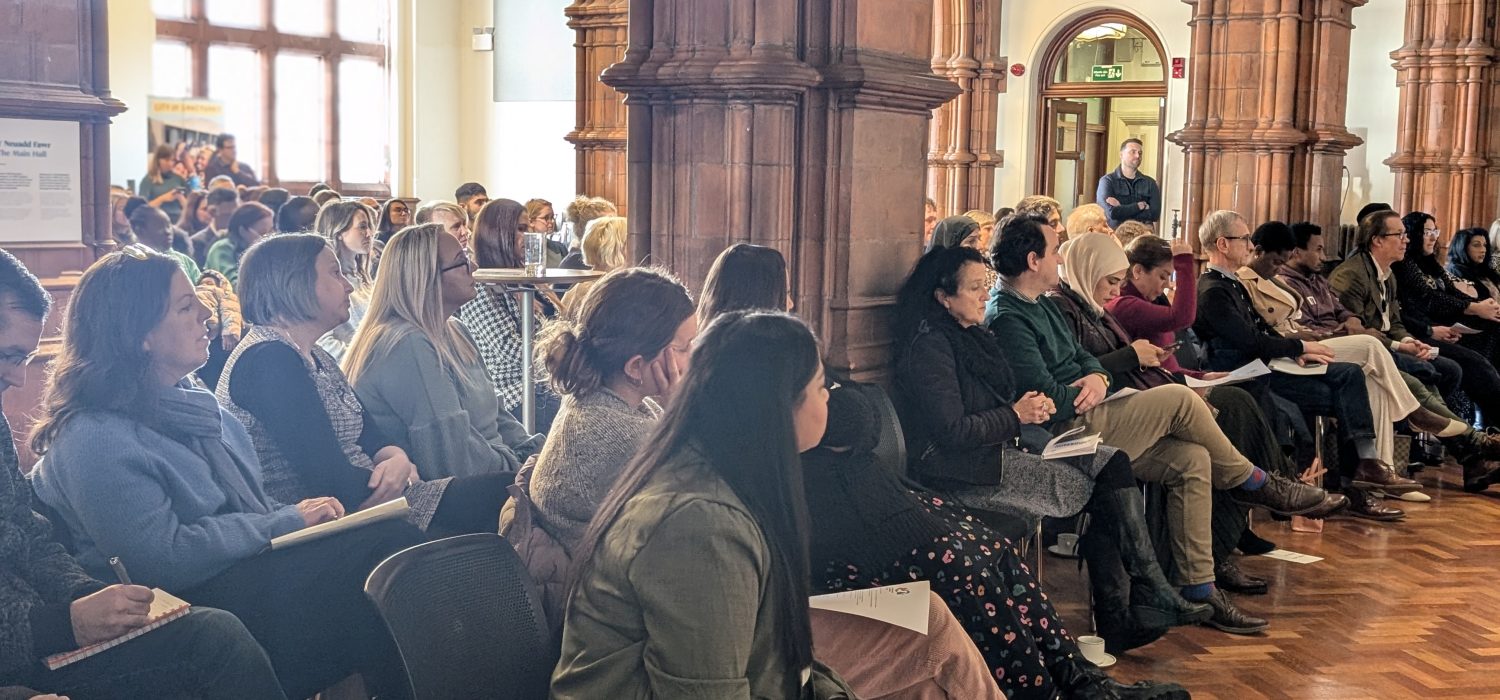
903,605
1122,393
1253,369
1066,445
1294,557
1286,366
1461,329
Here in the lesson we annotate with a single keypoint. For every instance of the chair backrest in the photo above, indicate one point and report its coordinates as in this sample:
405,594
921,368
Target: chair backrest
891,450
466,618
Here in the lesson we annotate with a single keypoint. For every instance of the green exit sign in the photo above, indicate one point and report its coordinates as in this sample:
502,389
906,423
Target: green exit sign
1109,74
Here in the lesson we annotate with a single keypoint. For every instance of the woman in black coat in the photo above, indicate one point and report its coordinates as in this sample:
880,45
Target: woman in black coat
966,424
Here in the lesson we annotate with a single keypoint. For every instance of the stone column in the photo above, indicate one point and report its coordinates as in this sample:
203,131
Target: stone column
1447,160
600,135
1265,133
801,126
966,49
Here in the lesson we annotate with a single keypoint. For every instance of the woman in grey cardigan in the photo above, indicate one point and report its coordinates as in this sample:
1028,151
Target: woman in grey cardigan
630,343
416,369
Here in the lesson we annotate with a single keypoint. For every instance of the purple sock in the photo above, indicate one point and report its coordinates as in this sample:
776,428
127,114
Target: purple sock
1257,479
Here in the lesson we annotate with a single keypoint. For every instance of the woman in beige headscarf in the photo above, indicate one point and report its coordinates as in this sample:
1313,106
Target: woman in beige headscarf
1097,267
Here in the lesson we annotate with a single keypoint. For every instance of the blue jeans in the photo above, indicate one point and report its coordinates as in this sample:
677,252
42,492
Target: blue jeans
206,654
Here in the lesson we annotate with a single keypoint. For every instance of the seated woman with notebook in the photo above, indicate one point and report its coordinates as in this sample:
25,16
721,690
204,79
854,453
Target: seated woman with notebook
141,467
417,371
309,429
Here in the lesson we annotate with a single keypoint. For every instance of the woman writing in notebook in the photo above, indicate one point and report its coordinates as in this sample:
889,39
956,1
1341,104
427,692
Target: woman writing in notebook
143,467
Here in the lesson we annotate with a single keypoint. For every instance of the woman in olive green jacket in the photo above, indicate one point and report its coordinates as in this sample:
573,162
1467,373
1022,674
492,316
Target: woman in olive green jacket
692,580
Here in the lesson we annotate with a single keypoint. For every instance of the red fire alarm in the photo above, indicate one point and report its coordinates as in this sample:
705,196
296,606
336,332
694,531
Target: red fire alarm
1017,69
1179,68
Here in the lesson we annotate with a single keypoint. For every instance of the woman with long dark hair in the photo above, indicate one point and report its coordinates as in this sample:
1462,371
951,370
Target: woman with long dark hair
870,528
494,316
1431,296
744,276
715,495
141,467
1471,259
395,215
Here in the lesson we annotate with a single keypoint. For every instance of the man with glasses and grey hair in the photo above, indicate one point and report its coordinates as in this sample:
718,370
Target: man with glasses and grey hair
1236,334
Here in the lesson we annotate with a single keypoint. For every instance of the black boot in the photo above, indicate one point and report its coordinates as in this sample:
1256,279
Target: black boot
1153,601
1100,549
1077,678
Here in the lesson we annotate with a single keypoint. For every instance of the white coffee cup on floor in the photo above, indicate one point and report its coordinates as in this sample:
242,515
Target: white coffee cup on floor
1093,649
1067,542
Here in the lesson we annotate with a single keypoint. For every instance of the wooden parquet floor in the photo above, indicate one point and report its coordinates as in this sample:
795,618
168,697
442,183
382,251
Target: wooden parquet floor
1394,610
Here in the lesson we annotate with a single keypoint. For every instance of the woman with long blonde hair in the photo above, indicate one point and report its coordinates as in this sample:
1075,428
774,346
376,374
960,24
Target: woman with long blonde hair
416,369
350,229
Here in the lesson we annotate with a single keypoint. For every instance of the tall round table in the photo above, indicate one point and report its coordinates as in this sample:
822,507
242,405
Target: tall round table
516,279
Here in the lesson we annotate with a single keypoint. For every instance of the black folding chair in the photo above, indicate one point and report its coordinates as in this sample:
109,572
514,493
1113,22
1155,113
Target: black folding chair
466,618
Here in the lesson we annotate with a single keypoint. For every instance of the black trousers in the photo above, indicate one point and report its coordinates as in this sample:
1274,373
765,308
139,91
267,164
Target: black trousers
1480,380
307,607
206,654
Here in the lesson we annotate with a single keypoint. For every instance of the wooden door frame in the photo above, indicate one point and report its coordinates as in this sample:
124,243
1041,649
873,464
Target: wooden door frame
1049,89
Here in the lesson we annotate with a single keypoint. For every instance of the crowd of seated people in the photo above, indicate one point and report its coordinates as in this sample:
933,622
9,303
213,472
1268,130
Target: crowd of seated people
269,362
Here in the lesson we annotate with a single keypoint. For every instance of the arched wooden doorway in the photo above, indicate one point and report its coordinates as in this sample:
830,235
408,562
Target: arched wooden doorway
1103,81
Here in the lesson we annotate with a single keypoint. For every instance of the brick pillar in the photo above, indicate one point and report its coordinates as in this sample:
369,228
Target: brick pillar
600,135
1447,160
965,153
1265,132
797,125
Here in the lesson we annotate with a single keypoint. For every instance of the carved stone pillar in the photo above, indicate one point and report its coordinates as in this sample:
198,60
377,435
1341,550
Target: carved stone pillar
966,49
1447,160
600,135
1265,133
801,126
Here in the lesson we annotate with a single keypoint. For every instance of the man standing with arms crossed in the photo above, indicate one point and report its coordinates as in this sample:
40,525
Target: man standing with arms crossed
1126,194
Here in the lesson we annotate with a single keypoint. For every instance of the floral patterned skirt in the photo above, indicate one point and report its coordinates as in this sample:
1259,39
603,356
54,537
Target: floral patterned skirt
991,592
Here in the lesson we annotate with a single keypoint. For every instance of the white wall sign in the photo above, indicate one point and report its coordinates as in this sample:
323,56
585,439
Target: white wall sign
39,181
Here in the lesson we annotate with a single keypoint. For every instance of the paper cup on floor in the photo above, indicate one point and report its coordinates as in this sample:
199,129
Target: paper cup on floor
1067,545
1092,649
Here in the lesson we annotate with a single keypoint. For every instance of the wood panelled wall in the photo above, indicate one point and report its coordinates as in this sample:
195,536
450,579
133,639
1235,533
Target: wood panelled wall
54,65
1447,159
599,137
797,125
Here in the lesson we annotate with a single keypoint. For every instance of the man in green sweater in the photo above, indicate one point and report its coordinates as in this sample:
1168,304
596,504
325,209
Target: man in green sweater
1168,431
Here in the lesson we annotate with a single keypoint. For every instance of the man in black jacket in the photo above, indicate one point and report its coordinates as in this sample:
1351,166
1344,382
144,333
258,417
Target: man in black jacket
1127,194
48,605
1235,334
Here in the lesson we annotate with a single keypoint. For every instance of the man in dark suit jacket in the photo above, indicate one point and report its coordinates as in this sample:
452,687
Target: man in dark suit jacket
1368,289
1235,334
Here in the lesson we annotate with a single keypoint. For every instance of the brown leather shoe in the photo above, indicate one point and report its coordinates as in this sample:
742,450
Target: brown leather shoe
1331,505
1373,475
1281,495
1364,505
1230,577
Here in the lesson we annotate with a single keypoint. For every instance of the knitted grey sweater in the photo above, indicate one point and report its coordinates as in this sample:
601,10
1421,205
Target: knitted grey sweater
591,441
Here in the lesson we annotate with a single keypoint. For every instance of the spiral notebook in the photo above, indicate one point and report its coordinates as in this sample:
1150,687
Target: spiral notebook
165,608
